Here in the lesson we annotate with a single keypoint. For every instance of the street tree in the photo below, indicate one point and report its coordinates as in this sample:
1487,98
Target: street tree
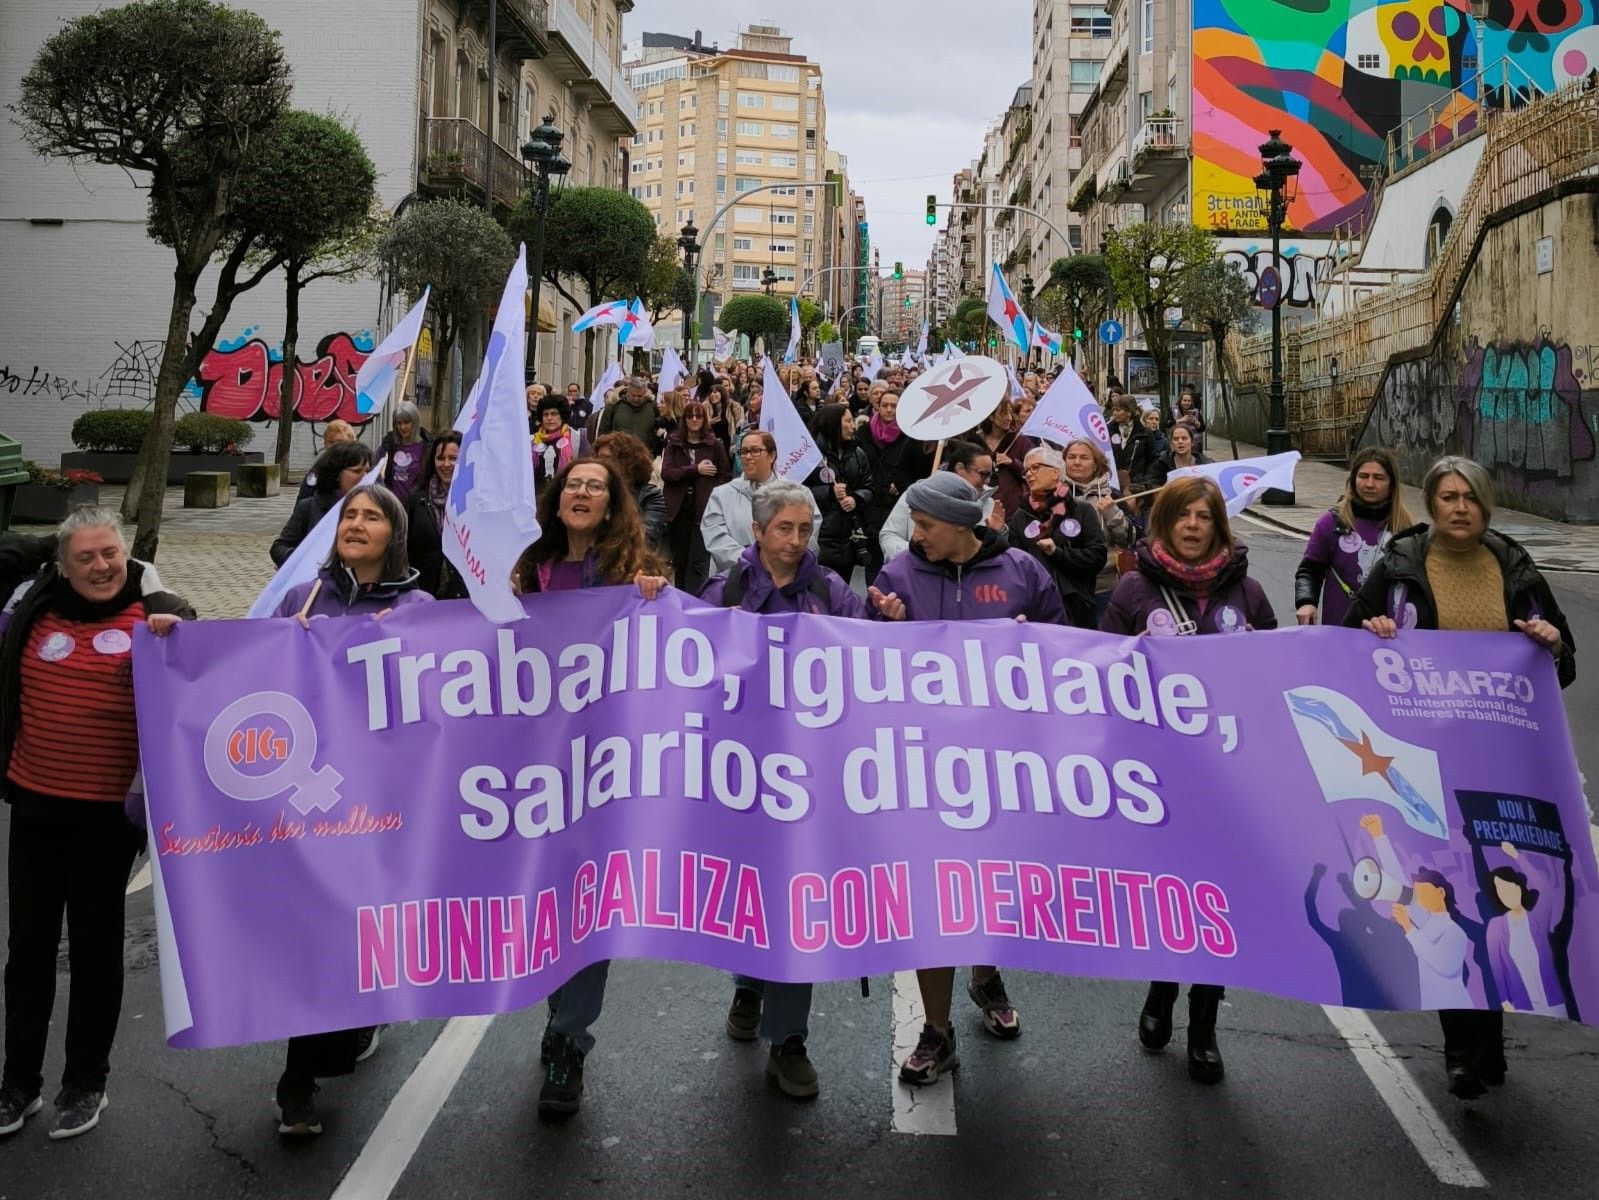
125,87
667,284
810,315
597,237
1216,297
969,323
1148,264
826,332
463,254
1080,293
764,317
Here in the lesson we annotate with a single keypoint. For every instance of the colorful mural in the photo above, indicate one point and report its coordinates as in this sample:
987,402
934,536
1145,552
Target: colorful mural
1337,76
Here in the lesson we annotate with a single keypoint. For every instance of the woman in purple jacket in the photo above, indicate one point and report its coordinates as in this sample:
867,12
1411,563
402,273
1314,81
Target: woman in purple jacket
366,574
1350,537
1192,578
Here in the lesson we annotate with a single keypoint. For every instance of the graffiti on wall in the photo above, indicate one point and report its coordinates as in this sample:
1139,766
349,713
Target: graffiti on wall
1301,268
1338,77
130,377
242,378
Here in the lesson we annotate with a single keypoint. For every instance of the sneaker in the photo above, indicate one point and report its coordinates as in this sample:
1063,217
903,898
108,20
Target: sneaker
790,1068
366,1043
933,1058
16,1106
999,1018
545,1043
744,1015
77,1111
297,1115
562,1093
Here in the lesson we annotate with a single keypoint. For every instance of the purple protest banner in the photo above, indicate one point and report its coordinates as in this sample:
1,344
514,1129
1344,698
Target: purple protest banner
427,815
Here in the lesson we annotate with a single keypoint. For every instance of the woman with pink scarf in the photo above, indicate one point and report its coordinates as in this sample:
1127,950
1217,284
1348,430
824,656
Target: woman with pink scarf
555,442
896,462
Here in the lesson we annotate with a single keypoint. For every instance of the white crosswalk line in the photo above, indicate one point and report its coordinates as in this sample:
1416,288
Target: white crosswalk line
410,1114
917,1110
1420,1121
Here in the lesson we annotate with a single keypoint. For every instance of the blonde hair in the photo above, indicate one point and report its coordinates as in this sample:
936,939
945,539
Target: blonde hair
1399,518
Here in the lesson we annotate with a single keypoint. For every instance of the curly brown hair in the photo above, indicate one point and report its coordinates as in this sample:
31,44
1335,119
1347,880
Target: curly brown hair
620,551
629,454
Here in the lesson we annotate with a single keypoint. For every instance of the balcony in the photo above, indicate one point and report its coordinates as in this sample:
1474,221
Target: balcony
521,26
1113,179
1113,75
452,160
1159,156
579,62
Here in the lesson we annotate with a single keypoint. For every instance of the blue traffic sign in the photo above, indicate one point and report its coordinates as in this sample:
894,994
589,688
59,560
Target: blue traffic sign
1269,293
1110,332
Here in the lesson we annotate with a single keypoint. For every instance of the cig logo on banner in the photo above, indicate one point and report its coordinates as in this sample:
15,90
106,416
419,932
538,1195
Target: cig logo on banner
264,745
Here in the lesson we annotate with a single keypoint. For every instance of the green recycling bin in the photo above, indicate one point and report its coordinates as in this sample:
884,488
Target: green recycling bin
11,474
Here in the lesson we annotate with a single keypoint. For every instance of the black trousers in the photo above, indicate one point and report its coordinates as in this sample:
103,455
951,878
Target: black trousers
71,858
691,562
1474,1039
319,1055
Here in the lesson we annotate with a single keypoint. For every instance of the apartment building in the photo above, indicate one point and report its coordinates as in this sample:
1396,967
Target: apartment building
904,301
717,125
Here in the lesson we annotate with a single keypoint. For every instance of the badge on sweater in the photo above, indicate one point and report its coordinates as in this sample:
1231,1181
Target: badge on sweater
112,641
57,647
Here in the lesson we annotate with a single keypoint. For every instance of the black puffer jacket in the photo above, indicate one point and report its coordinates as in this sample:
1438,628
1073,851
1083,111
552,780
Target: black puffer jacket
850,468
1398,583
424,548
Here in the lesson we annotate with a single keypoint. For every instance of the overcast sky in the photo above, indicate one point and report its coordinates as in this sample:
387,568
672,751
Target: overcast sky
911,85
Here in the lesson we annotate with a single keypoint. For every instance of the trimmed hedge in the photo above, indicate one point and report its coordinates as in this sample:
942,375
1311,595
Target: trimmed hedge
206,433
112,430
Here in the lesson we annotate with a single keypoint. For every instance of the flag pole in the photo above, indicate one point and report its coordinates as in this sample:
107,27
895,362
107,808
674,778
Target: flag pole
938,455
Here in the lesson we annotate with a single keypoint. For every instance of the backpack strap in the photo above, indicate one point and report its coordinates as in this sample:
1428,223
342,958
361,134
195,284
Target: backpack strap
1185,624
733,589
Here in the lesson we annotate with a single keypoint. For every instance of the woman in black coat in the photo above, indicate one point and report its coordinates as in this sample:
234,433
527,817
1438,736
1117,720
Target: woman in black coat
338,470
842,486
424,513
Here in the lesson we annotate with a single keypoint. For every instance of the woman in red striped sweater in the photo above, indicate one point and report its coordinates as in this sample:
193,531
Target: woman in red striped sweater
68,752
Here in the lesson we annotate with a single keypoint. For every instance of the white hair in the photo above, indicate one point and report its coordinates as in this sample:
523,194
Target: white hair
87,517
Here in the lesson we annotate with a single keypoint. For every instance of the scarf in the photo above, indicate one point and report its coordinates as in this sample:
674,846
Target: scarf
438,493
1050,509
884,433
557,448
62,600
1196,577
1369,512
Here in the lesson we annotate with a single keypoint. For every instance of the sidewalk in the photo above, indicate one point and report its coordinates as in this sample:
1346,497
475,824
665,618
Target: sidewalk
1554,546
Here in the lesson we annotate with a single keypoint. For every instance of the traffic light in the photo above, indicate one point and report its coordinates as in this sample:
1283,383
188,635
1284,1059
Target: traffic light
907,301
1077,335
899,270
932,210
993,343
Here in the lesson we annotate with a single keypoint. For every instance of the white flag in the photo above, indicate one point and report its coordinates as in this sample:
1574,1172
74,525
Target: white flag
308,557
797,452
612,377
793,329
874,364
724,343
1016,388
672,371
489,517
951,350
1068,411
1243,479
921,342
375,378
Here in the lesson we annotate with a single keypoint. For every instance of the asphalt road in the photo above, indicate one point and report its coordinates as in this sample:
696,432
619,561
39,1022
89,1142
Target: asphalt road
1316,1104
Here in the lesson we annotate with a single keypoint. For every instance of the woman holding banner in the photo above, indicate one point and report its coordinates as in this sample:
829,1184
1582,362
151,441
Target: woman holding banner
1349,537
368,574
593,537
1180,453
1459,574
1192,578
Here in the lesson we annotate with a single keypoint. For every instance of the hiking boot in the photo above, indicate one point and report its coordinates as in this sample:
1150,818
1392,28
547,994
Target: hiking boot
1154,1022
366,1043
562,1093
790,1068
933,1058
744,1015
297,1115
77,1111
999,1018
545,1043
1204,1058
16,1106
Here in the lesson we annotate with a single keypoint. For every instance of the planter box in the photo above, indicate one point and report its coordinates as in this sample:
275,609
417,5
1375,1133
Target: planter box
38,504
118,468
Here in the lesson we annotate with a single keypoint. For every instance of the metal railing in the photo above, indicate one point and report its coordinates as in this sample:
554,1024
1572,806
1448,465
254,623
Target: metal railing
453,152
1158,133
1500,87
571,28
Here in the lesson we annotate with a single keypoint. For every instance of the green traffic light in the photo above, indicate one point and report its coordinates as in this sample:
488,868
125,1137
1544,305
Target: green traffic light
932,210
1077,335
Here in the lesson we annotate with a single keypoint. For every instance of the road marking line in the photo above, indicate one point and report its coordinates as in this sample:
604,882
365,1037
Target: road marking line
1420,1121
1271,527
141,879
411,1113
917,1110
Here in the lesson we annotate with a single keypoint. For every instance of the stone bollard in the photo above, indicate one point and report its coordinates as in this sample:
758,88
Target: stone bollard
258,480
207,489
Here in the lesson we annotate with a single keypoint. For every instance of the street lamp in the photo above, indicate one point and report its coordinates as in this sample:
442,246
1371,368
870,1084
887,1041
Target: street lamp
689,239
768,280
1278,181
543,153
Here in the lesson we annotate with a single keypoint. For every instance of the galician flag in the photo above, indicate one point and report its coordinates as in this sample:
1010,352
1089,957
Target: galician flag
1005,311
1067,412
724,343
921,344
1045,339
1243,479
1016,389
612,312
672,372
635,329
793,329
797,452
375,378
488,515
308,556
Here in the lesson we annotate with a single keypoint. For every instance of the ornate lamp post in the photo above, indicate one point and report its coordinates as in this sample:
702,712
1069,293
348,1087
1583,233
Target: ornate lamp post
768,280
1278,181
689,240
543,154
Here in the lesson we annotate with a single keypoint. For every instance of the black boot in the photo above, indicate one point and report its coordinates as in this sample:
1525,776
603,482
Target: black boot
1154,1023
1204,1059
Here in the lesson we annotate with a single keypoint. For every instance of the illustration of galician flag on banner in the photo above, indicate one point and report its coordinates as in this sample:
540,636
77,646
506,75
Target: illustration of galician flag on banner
374,380
1243,479
488,515
797,452
1006,311
1069,411
612,312
793,329
635,329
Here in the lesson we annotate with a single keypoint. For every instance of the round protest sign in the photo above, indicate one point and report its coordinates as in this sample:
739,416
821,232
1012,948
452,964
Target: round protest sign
952,398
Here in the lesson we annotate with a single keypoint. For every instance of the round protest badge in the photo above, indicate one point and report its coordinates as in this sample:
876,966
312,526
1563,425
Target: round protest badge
1070,528
112,641
1160,623
1229,619
1033,529
827,475
952,398
402,459
57,647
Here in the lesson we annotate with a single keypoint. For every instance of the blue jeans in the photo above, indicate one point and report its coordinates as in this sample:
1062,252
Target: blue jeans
576,1004
785,1008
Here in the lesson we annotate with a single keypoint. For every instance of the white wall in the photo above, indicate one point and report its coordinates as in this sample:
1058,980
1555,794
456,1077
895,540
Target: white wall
1398,237
83,322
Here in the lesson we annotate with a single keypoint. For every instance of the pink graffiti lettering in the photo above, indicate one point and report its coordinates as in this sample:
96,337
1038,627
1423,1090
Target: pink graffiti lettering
244,384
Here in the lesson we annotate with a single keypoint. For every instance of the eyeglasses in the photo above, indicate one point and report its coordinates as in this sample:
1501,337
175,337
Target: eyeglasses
591,487
1032,467
752,451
